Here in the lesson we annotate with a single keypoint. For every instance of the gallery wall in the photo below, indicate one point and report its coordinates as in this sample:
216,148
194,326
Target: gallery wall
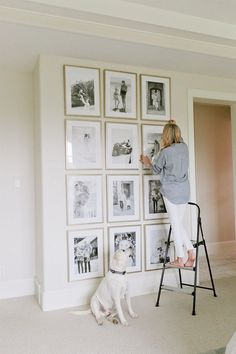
52,274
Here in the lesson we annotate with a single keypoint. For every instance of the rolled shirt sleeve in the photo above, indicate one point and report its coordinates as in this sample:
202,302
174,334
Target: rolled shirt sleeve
158,163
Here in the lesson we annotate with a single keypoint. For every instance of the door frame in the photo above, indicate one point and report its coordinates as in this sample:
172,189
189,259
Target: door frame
213,97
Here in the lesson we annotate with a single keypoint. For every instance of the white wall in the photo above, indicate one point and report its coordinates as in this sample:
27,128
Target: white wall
17,236
17,257
57,292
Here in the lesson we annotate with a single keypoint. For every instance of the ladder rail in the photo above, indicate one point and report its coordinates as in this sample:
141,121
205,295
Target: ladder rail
196,261
197,286
163,268
208,262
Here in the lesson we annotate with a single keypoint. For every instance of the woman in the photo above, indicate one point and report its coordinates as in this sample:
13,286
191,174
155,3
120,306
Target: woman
172,164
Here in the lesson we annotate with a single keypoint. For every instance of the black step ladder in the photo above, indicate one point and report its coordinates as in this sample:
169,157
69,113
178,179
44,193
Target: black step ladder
181,288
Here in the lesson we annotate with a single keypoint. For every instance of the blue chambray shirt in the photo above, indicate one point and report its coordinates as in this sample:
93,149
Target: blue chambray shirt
172,164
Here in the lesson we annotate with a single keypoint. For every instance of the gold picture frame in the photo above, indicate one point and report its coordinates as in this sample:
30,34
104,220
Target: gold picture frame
120,94
82,91
155,97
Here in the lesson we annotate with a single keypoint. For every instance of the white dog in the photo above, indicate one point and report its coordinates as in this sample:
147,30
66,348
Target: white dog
106,301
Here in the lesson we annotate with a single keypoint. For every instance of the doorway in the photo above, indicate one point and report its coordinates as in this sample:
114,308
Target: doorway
214,170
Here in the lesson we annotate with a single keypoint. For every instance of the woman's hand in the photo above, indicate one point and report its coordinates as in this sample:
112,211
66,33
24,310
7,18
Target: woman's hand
145,161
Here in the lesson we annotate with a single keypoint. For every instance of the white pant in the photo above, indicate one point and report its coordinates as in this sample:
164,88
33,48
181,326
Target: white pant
176,213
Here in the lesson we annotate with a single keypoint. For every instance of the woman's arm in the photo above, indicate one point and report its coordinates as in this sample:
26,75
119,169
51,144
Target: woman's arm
156,164
159,162
145,161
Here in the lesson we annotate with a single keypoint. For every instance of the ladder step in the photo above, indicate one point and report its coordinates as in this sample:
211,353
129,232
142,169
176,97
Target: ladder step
178,290
168,266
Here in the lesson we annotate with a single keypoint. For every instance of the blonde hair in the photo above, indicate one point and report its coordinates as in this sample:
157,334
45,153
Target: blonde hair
171,134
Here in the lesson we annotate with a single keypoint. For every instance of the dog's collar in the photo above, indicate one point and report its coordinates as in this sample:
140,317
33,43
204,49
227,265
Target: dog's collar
116,272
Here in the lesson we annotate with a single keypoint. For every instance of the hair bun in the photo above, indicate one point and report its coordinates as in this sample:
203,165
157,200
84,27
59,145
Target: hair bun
172,121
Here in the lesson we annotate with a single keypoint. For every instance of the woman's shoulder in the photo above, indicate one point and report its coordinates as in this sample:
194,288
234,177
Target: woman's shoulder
182,146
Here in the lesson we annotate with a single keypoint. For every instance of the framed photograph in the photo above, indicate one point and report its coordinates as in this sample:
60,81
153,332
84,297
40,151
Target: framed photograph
120,94
123,238
154,206
155,246
83,144
85,254
84,199
123,198
122,150
155,97
151,139
82,91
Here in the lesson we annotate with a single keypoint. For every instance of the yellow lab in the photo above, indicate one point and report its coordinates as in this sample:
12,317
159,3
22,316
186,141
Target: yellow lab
106,301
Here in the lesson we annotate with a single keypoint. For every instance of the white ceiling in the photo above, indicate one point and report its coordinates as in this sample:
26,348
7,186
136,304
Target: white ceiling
218,10
182,35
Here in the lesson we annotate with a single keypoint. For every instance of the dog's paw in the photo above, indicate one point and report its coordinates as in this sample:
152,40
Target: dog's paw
124,323
134,315
99,321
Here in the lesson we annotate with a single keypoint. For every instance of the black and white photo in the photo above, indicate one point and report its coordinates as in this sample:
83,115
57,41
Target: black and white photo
123,238
155,97
122,146
120,94
82,91
154,206
83,144
151,140
155,246
85,253
84,199
123,197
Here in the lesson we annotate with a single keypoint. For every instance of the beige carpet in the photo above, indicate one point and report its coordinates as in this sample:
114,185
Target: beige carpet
216,351
168,329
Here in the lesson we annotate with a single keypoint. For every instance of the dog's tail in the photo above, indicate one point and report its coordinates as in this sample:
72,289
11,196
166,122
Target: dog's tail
81,312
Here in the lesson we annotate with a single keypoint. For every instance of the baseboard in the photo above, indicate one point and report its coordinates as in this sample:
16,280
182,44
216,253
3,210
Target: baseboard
16,288
37,291
64,298
139,284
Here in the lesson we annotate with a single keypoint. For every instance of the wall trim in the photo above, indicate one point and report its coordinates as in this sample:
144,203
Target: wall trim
16,288
145,14
123,33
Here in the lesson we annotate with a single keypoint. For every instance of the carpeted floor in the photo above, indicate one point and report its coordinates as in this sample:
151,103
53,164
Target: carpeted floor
168,329
216,351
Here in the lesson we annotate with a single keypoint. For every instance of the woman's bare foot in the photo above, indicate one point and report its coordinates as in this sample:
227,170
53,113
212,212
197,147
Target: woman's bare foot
179,262
191,259
189,263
